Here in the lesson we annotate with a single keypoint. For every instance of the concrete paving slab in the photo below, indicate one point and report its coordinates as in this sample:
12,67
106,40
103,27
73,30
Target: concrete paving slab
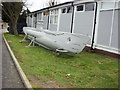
10,76
1,59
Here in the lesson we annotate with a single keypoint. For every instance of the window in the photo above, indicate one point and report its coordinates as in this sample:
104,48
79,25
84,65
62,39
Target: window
56,19
39,16
64,10
35,15
51,19
89,7
107,5
46,13
119,4
54,16
110,5
56,11
31,16
69,9
80,8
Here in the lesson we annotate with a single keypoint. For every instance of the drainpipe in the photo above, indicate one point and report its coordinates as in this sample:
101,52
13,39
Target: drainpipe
94,26
72,18
28,20
35,20
48,20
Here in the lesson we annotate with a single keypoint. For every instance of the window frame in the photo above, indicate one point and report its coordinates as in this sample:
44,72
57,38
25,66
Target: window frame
54,13
93,7
65,10
116,6
40,16
84,7
80,5
71,9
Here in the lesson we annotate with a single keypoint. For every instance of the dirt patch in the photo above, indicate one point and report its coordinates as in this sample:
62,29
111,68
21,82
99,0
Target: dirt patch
41,83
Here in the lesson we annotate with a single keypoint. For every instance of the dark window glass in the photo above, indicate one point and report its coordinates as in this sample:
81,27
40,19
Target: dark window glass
89,7
64,10
69,9
44,13
35,15
80,8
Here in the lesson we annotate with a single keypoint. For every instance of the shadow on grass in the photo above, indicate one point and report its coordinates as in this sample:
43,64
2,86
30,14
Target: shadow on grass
66,55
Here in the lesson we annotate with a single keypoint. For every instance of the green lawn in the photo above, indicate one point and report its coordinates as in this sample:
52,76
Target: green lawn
47,69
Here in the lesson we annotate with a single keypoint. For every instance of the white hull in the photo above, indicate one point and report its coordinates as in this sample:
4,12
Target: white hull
58,41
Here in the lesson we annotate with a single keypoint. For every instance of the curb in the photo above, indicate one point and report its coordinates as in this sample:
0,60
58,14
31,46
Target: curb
19,69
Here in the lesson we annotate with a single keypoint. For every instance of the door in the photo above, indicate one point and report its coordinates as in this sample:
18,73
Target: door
84,15
65,19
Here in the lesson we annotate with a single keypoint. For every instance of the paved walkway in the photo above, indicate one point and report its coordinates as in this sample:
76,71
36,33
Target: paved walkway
10,76
0,59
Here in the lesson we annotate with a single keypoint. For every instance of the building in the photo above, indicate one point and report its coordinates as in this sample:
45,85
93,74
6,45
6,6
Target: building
98,19
1,23
0,12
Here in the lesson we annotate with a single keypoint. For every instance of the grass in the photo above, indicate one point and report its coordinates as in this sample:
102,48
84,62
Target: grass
47,69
